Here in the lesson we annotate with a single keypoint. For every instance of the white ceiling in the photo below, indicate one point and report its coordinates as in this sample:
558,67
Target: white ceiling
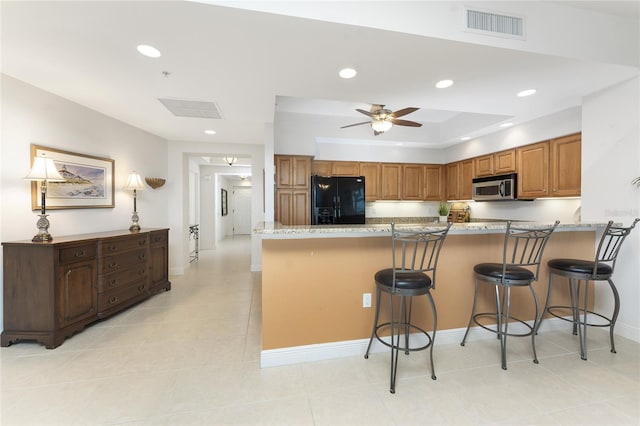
247,62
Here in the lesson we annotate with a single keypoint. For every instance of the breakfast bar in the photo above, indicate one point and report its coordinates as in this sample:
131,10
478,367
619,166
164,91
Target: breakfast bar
314,277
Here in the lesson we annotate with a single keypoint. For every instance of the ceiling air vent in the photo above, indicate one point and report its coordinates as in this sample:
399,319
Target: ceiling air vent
495,24
189,108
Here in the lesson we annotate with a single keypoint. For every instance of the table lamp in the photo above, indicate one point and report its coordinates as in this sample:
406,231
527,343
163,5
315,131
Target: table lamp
134,183
43,170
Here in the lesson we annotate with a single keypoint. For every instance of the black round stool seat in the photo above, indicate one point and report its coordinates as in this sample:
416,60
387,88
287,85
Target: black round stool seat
513,274
404,280
579,266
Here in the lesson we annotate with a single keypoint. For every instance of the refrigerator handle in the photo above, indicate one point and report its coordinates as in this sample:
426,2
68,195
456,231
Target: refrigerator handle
338,212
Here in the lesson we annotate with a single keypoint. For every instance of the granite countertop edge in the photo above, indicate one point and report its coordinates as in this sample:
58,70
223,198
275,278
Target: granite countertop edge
274,230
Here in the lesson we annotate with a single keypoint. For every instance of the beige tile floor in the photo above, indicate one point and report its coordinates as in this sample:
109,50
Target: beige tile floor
191,357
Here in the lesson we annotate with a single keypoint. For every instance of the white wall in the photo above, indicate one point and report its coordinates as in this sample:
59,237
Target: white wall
610,161
32,116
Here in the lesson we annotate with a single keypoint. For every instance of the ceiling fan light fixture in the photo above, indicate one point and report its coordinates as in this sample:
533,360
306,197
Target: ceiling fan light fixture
527,92
381,125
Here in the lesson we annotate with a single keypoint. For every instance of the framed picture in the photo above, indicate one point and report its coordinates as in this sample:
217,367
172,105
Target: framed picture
89,181
223,202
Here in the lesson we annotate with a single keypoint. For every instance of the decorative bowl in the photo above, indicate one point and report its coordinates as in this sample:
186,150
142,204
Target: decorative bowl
155,182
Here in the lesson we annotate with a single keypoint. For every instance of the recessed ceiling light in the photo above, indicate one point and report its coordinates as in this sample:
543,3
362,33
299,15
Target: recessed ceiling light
442,84
347,73
149,51
506,124
527,92
465,138
210,132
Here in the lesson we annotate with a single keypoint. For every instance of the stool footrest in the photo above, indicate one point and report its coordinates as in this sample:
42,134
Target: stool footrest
551,310
493,330
402,326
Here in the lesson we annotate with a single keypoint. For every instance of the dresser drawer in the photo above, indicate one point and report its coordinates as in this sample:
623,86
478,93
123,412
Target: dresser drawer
158,238
78,253
122,277
121,261
117,245
113,298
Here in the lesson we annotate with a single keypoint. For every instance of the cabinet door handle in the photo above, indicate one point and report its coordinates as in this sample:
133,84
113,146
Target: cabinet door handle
113,300
142,256
81,253
141,287
113,265
141,272
113,282
112,247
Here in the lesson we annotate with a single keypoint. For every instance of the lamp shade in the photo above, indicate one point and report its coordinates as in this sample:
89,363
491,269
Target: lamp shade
44,169
134,182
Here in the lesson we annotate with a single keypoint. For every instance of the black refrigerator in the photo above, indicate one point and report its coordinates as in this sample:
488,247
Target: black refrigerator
337,200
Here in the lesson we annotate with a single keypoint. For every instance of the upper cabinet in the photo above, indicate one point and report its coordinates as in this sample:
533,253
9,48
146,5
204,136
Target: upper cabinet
412,182
391,181
293,171
550,168
321,168
335,168
459,180
433,182
565,160
372,180
495,164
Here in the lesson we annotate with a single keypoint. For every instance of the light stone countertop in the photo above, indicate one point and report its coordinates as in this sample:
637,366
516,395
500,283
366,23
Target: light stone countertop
274,230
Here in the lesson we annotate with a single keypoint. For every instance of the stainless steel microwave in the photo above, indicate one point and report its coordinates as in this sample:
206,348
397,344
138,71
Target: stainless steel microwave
495,188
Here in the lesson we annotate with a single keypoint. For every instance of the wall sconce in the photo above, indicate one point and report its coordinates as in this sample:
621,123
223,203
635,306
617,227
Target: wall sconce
230,160
43,170
134,183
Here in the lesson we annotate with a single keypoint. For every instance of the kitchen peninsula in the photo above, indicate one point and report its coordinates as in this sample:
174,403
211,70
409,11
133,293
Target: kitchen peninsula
314,277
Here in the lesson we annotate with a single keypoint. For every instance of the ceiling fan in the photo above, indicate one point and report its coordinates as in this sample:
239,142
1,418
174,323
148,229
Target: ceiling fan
382,119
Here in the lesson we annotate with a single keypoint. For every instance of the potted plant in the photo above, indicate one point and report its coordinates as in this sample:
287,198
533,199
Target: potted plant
443,211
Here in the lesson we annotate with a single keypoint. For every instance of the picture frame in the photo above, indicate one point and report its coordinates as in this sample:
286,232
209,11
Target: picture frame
223,202
89,181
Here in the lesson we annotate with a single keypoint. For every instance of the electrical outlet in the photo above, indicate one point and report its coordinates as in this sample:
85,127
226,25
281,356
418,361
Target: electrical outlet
366,300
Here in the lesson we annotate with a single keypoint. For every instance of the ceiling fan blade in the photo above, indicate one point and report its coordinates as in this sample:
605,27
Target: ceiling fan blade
367,113
405,123
356,124
404,111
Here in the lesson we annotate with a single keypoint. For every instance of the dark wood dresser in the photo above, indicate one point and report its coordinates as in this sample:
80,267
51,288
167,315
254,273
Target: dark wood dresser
53,290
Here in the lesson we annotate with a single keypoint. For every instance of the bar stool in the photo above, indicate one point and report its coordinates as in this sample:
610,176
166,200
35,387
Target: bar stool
580,272
415,258
521,257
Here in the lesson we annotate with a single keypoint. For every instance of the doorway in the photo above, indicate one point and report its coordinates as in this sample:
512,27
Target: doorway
241,210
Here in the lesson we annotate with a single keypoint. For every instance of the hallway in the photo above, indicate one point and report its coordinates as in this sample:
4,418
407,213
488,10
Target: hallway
191,357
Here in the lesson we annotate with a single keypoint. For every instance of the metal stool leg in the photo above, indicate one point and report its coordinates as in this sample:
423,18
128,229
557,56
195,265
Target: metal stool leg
616,311
433,336
535,325
473,312
582,325
375,322
503,321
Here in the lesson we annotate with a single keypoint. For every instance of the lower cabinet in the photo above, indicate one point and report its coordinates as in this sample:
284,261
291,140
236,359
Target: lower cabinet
292,207
54,290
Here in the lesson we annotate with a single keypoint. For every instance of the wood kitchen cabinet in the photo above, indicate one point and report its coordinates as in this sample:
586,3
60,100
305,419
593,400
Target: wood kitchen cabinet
459,180
495,164
292,207
53,290
292,171
293,179
391,181
433,182
345,168
372,180
550,168
412,182
320,168
565,162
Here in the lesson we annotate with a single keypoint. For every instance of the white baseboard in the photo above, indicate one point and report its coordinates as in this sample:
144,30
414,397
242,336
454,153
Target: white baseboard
323,351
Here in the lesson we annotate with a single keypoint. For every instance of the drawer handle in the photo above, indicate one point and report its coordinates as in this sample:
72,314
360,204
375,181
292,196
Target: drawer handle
142,256
141,287
112,247
82,253
113,282
114,300
142,242
141,272
158,239
112,265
